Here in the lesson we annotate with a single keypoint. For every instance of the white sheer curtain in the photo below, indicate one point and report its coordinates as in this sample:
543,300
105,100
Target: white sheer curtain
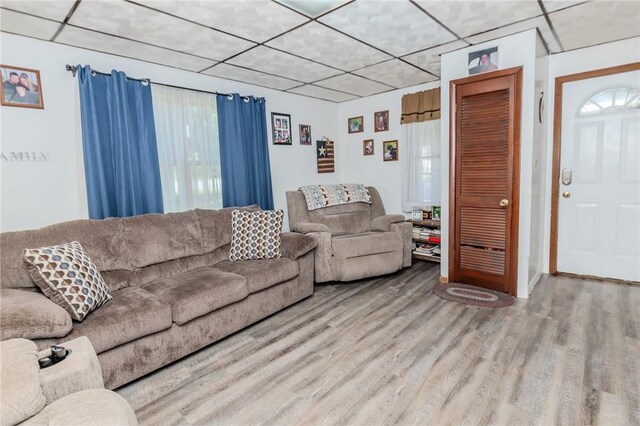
421,180
188,148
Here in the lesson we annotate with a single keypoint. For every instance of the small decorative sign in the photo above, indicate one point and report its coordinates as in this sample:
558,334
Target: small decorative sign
325,156
483,60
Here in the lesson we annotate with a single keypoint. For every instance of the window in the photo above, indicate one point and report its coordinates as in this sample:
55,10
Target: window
188,148
421,180
611,100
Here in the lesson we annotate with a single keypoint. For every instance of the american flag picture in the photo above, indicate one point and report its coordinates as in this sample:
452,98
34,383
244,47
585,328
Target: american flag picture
325,156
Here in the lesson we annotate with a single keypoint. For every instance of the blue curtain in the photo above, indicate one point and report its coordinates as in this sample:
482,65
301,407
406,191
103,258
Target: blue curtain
119,143
244,151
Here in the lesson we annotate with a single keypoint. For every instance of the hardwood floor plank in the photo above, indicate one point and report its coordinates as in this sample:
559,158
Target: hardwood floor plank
387,351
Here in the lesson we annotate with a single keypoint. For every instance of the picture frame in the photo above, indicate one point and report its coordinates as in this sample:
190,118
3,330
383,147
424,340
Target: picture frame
21,87
381,121
416,215
355,124
281,128
305,134
368,147
483,60
436,212
390,150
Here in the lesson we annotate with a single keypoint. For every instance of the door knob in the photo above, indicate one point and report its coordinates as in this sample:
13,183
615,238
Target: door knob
504,203
566,194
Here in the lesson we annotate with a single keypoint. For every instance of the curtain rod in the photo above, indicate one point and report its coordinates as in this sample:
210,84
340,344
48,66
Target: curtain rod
74,70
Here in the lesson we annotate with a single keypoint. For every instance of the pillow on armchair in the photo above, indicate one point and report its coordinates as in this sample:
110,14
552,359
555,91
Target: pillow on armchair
255,235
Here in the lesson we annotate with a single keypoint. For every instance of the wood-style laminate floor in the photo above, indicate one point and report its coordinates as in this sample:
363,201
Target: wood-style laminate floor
387,351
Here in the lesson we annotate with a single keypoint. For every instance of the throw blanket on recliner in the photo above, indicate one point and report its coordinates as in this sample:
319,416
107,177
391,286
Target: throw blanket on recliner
319,196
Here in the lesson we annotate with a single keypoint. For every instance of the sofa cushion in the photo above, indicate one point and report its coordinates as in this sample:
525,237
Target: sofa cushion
68,277
261,274
216,225
196,293
30,315
133,313
96,407
256,235
344,219
103,239
22,396
356,245
156,238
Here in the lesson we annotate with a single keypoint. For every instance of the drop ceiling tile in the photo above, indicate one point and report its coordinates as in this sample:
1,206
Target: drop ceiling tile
430,59
322,93
19,23
354,84
142,24
257,20
320,43
104,43
553,5
539,23
231,72
279,63
596,22
472,17
396,73
56,10
313,8
395,27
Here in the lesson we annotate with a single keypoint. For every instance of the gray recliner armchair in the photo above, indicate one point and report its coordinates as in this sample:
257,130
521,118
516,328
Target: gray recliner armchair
355,240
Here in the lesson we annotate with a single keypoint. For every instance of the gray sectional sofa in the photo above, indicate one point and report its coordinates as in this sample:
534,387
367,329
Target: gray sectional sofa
174,289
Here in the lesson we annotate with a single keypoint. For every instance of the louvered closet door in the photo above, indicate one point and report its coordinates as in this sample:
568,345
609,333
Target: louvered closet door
484,204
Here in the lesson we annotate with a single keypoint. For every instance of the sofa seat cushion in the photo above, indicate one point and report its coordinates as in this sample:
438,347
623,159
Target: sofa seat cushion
264,273
198,292
31,315
365,244
133,313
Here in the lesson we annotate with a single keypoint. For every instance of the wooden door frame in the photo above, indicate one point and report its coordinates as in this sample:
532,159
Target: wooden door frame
557,145
515,202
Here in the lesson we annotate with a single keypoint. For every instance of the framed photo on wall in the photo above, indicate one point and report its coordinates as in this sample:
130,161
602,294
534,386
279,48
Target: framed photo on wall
483,60
281,126
368,147
390,150
381,121
305,134
21,87
356,124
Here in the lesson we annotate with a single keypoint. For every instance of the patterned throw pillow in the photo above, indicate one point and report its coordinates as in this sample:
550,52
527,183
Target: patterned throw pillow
255,235
68,277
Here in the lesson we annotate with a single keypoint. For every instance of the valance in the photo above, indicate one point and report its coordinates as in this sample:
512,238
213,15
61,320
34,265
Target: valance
421,106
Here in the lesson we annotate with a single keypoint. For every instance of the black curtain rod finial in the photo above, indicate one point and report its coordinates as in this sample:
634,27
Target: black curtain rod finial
73,69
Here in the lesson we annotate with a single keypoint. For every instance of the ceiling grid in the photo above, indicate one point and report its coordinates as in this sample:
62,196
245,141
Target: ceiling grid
354,49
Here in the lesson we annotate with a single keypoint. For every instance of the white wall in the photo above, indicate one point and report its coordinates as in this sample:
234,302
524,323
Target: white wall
588,59
539,170
372,170
515,50
36,194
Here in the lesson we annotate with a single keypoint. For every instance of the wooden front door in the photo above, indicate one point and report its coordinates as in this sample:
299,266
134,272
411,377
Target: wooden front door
484,187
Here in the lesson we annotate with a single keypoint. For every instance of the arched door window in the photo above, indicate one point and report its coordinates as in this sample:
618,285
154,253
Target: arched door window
610,101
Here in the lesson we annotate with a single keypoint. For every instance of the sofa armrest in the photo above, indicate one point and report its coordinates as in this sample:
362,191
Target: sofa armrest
405,229
383,223
306,227
79,371
31,315
295,245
